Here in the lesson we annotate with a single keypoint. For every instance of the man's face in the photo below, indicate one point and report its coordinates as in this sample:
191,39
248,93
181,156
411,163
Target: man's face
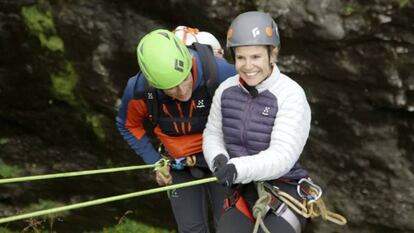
182,91
252,63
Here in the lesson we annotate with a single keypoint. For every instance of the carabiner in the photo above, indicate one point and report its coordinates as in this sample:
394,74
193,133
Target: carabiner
178,164
311,192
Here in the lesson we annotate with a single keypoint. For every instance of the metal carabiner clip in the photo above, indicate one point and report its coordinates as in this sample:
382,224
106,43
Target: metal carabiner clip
178,164
311,192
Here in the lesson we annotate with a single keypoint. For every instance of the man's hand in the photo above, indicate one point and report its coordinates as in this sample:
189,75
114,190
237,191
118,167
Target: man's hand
163,176
162,173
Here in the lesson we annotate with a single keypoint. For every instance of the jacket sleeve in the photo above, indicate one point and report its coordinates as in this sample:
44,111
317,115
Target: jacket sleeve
213,142
288,138
130,123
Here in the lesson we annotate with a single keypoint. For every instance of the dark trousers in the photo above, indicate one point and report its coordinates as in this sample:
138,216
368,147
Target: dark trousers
190,205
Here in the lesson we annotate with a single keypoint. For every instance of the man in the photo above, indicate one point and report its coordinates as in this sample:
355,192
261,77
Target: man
191,35
178,105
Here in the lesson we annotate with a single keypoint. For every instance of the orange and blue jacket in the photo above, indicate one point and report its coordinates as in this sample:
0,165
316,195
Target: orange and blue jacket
179,125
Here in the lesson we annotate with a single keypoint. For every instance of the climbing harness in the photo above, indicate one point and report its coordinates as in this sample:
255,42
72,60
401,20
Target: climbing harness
312,205
237,200
181,163
176,164
282,204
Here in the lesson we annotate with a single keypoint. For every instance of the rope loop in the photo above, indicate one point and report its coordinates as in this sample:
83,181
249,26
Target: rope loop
261,206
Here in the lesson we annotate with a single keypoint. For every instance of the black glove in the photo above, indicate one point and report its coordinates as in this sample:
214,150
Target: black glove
226,174
219,162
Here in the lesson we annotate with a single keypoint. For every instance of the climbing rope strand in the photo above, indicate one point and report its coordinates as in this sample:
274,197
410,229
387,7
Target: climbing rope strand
318,208
260,207
76,173
293,203
311,209
106,200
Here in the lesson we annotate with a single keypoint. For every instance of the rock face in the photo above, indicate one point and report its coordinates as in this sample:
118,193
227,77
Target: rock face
64,64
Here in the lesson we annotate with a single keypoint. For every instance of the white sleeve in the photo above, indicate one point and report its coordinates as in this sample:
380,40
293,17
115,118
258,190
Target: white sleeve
289,135
213,141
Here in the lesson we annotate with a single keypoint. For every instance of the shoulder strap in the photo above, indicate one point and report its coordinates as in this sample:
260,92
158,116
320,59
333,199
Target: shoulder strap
150,97
151,100
209,65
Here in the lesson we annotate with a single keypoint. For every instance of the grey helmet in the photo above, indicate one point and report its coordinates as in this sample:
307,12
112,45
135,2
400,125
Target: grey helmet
253,28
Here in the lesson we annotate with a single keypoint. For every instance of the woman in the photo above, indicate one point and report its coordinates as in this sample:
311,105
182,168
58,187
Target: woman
258,125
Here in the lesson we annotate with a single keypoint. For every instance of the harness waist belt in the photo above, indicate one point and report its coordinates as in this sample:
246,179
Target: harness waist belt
288,215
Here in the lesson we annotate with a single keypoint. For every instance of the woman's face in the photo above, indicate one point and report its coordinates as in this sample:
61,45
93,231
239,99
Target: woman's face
252,63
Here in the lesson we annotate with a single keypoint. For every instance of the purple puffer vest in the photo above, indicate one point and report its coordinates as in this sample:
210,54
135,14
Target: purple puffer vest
248,122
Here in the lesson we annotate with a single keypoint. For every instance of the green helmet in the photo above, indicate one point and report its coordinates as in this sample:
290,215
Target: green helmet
164,59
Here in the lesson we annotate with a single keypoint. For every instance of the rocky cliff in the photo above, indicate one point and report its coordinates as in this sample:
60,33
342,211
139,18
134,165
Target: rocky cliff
63,66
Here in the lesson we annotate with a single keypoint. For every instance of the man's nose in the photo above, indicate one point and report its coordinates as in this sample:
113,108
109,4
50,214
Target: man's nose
180,89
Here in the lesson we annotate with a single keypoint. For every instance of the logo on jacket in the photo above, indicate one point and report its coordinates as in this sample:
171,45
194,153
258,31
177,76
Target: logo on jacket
200,104
266,111
255,31
150,96
174,193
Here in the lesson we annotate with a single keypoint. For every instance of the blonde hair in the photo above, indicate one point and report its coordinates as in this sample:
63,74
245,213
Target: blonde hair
273,54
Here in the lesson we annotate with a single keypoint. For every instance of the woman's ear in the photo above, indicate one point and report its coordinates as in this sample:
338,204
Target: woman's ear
274,52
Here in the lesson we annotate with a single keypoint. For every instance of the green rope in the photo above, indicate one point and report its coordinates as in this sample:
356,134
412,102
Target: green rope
260,208
106,200
77,173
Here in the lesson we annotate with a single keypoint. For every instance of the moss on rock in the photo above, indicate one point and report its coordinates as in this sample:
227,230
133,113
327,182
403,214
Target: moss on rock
64,83
40,23
96,122
9,171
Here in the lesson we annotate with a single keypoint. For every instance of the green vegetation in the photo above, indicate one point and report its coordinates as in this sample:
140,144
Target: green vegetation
8,171
41,25
63,84
39,20
64,78
131,226
5,230
95,121
4,141
404,3
128,226
47,204
50,218
349,10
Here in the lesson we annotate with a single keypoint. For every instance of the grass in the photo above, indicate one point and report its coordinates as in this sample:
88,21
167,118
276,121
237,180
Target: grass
128,226
8,171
